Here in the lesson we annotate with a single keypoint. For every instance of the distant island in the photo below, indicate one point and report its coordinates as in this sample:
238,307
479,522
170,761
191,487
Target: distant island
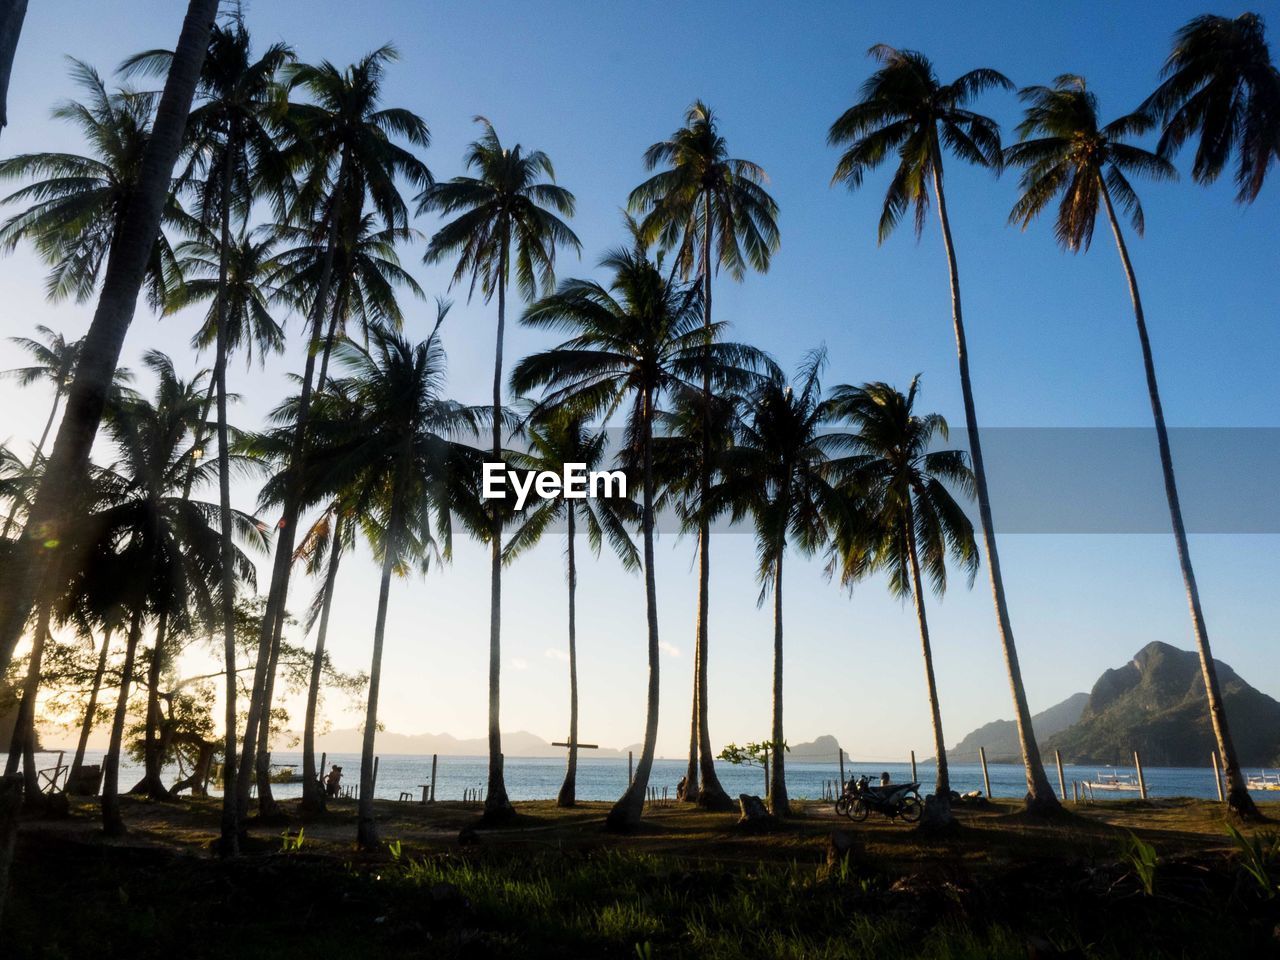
1155,704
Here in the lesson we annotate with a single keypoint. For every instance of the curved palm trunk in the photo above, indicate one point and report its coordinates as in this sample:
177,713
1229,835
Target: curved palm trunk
22,743
267,806
86,726
54,506
568,790
366,825
711,793
1040,796
312,794
779,805
1238,798
151,784
112,824
12,13
937,808
626,813
497,806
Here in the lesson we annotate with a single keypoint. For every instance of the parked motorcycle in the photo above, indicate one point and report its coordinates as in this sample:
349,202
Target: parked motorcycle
897,801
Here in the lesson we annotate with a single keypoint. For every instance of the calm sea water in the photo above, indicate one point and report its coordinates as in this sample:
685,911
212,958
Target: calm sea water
600,779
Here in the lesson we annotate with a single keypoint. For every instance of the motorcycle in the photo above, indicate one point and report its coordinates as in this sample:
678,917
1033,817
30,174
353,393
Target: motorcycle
898,801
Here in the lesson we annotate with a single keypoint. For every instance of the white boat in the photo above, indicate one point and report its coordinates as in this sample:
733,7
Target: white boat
1114,781
1265,781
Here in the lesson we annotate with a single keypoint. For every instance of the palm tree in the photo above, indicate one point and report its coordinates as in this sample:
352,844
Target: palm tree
346,140
906,111
512,201
714,212
100,352
1221,85
632,343
148,544
779,473
906,520
559,439
1086,162
12,13
78,203
403,450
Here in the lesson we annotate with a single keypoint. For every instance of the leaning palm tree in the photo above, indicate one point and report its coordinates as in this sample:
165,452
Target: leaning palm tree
779,473
559,439
1087,163
512,205
402,447
346,141
12,13
713,211
1221,85
907,112
76,204
906,522
631,343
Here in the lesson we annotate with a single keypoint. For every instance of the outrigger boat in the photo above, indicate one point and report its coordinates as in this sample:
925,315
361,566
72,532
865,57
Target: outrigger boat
1114,781
1265,781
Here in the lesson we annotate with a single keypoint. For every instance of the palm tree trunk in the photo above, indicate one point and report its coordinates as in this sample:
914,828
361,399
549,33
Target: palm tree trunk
277,593
779,805
12,13
112,824
267,806
568,790
626,813
937,808
312,794
227,594
1238,798
55,503
1040,796
22,743
366,825
86,726
497,806
711,793
151,784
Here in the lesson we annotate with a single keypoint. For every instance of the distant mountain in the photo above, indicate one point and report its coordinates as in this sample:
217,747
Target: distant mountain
1156,704
1000,737
521,743
825,747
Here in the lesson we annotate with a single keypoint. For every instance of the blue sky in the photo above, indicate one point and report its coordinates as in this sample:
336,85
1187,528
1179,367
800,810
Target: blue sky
1051,338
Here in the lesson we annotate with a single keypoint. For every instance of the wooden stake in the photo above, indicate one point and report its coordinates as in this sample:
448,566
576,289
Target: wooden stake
434,758
1217,776
1062,783
766,771
986,779
914,778
375,773
841,755
1142,782
630,776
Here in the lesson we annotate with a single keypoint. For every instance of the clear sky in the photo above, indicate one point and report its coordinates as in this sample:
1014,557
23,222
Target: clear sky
1051,337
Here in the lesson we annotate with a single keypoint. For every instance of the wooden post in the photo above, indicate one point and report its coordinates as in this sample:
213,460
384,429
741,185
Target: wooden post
630,775
914,778
374,784
841,755
1142,781
323,758
434,758
766,771
1062,783
1217,776
986,779
57,769
1075,790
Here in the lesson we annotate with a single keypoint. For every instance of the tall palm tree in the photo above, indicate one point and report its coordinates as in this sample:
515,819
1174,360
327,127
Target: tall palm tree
512,201
714,212
403,448
12,13
559,439
906,521
631,343
345,138
77,204
1221,85
907,112
1087,163
779,473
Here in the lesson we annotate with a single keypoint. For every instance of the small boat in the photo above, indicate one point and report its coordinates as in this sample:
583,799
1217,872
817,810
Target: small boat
1265,781
1114,781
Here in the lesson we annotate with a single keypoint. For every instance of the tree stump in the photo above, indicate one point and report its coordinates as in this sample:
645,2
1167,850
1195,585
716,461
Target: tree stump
841,845
755,816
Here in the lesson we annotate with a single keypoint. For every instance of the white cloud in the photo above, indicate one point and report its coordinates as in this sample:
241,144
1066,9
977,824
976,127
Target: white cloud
669,648
519,663
556,654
